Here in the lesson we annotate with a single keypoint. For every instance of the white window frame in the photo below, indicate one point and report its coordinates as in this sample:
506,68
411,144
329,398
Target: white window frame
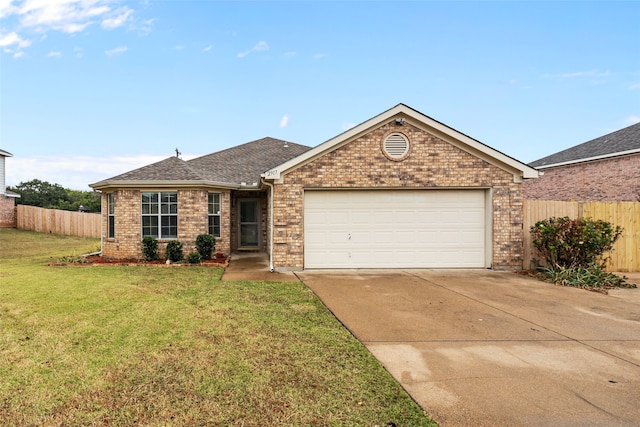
214,212
161,213
111,216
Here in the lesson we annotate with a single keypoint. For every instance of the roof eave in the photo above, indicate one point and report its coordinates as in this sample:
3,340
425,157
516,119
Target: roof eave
590,159
107,184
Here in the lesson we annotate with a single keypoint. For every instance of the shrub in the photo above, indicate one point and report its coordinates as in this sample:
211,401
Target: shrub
568,242
150,248
205,244
174,251
592,277
194,258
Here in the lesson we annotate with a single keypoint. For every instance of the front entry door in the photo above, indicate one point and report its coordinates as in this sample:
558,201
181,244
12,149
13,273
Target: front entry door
249,214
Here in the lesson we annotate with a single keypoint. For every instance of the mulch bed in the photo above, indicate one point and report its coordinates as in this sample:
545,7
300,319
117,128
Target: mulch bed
98,260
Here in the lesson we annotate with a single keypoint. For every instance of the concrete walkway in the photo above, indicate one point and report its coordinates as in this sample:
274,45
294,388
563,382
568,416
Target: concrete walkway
254,266
488,348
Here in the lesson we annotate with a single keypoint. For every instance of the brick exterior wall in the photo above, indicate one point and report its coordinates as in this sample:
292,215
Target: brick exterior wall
7,211
609,180
431,163
192,221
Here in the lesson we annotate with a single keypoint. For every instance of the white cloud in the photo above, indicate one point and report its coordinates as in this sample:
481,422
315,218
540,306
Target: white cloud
577,74
55,54
319,55
208,48
146,26
284,121
261,46
116,51
179,47
633,119
18,54
118,19
589,73
635,86
74,172
290,54
7,8
67,16
14,39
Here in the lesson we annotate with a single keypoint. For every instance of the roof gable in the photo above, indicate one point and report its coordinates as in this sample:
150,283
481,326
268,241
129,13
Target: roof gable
403,112
621,142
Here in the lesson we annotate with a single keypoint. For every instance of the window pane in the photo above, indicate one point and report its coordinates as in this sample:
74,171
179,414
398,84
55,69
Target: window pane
150,226
214,225
214,203
248,211
169,197
169,203
169,227
111,231
110,206
149,197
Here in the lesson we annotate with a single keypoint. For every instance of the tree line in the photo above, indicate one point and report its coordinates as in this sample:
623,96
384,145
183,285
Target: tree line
53,196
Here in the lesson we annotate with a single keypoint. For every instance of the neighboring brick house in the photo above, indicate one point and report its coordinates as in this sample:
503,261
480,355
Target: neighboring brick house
399,190
603,169
7,198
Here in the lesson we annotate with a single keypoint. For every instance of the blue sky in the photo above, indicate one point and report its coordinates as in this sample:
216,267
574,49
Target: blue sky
92,88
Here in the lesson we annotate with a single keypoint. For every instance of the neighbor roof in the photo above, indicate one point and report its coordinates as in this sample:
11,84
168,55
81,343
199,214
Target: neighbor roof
618,143
227,168
402,112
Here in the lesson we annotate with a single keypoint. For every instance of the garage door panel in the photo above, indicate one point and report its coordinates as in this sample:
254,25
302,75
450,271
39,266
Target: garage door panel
401,228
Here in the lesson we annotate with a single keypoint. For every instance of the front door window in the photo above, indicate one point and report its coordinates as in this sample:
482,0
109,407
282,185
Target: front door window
249,223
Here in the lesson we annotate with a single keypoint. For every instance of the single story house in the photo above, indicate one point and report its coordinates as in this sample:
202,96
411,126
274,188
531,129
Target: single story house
398,190
605,169
7,198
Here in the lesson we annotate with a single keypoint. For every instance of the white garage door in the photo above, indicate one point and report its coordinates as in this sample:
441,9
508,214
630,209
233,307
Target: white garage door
392,229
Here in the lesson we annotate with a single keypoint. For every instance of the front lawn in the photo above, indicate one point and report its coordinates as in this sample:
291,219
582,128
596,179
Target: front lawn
121,346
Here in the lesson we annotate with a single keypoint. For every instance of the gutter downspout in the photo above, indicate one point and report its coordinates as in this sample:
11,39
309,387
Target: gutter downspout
271,269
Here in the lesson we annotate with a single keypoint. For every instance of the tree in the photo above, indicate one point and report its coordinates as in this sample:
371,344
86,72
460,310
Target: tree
53,196
40,193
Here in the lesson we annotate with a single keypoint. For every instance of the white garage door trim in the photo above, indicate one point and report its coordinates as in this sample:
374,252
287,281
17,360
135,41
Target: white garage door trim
397,228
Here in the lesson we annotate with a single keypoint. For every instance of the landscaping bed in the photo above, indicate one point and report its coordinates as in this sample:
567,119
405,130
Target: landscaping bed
99,260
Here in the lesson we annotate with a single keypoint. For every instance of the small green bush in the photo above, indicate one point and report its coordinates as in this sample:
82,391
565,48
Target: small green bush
174,251
568,242
194,258
150,248
205,244
592,277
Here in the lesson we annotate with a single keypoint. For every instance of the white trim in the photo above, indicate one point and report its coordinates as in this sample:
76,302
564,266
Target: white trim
590,159
468,144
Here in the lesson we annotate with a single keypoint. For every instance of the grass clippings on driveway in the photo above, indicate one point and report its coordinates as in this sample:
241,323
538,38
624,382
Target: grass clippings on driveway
146,346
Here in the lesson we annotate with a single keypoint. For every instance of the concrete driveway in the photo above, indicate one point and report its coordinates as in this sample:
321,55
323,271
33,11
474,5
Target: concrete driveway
489,348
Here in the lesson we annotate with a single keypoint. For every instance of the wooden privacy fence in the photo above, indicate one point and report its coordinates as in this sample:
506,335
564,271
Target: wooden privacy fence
626,252
57,222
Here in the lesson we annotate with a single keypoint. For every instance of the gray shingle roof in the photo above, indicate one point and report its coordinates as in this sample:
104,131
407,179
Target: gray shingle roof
243,163
170,169
608,145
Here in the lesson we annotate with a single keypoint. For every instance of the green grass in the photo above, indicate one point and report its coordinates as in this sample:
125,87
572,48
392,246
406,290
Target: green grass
120,346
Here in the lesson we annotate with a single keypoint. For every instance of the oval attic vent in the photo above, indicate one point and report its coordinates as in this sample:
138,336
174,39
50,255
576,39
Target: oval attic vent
396,146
